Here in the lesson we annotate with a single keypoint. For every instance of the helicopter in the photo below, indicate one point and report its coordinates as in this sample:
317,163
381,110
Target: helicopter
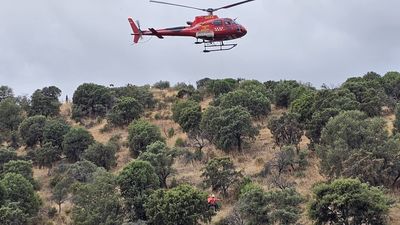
209,30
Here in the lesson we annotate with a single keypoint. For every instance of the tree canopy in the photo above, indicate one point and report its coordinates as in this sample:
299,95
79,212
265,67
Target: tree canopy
142,133
348,201
76,141
91,100
45,101
183,205
229,127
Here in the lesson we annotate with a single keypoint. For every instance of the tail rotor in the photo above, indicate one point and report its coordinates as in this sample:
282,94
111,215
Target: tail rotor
137,33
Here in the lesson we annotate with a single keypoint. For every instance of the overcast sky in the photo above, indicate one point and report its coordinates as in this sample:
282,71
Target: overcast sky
67,43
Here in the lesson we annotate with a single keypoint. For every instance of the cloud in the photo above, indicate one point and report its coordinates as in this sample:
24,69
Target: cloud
66,43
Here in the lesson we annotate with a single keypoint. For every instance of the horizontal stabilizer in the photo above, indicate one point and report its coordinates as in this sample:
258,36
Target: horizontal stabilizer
155,33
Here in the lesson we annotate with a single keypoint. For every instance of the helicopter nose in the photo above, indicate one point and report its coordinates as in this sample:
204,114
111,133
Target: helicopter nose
244,31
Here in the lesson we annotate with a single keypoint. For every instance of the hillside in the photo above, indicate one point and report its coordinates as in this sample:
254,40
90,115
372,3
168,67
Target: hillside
250,161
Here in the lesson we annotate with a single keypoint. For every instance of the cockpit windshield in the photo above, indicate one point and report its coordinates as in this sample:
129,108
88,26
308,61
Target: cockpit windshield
229,22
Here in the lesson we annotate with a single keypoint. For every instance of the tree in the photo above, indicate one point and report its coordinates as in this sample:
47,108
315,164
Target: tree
161,85
140,134
304,107
258,207
142,94
10,117
391,85
76,141
5,93
101,155
161,158
183,205
47,155
219,87
81,171
136,181
317,123
283,91
349,133
203,83
255,102
45,102
54,131
326,103
10,214
354,130
348,201
396,123
21,167
187,114
31,130
60,192
369,92
18,189
228,127
97,202
125,111
6,155
220,174
91,100
286,129
282,160
256,86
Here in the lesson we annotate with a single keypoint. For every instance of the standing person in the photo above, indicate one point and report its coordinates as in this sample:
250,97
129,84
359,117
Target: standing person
213,202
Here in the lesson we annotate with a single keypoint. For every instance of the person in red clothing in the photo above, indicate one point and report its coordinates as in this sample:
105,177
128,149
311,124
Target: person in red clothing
213,202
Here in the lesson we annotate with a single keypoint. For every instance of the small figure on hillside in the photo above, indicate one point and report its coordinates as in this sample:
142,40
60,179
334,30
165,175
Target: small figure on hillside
66,98
213,202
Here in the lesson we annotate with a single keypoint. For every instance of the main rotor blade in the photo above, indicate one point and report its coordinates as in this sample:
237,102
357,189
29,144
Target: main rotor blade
185,6
235,4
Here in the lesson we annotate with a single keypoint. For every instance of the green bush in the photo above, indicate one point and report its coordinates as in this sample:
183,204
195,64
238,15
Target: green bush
180,143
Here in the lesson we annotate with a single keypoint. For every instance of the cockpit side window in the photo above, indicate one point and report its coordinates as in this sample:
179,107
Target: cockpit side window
217,23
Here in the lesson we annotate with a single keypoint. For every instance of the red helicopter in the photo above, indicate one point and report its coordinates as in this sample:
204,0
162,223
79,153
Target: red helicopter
209,30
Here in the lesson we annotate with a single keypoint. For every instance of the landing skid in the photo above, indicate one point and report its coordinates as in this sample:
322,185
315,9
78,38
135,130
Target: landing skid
215,46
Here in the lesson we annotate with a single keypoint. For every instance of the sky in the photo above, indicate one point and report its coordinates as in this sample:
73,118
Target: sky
67,43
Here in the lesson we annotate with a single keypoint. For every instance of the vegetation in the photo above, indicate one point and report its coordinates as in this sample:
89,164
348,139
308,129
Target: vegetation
220,174
229,127
125,111
11,116
76,141
181,205
161,158
275,207
45,102
101,155
287,130
348,201
137,181
31,130
187,114
91,100
141,134
348,167
255,102
97,202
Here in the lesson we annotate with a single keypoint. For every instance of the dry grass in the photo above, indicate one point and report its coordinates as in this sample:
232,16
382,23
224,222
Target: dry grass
45,195
394,213
390,122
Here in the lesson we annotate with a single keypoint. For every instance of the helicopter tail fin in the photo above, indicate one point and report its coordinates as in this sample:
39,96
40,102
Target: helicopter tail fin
137,33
